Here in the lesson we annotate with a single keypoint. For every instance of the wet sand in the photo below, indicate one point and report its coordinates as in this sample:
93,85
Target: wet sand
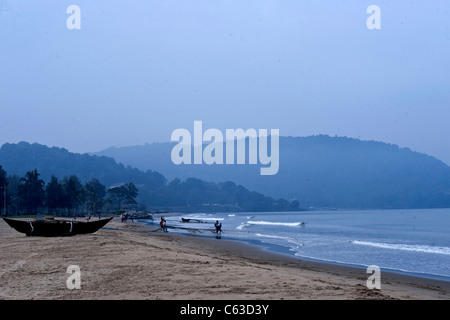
132,262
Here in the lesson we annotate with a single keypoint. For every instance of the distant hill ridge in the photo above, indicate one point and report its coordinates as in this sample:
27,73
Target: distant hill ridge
22,157
154,189
320,171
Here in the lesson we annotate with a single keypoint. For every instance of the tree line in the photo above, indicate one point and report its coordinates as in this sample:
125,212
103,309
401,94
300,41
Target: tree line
195,193
31,195
155,191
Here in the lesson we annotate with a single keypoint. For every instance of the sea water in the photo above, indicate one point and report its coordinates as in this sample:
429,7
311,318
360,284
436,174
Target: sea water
408,241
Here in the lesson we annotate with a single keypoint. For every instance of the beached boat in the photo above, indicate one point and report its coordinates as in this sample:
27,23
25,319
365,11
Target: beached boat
56,227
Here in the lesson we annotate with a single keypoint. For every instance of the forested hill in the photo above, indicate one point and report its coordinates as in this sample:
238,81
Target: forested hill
154,189
321,171
22,157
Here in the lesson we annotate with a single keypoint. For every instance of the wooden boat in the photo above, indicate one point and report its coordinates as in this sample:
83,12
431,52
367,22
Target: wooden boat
191,220
55,227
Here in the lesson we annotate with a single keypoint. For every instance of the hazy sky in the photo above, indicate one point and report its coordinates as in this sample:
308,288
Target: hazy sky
137,70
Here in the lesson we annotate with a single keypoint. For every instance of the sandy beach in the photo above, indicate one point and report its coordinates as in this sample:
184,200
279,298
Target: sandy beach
130,261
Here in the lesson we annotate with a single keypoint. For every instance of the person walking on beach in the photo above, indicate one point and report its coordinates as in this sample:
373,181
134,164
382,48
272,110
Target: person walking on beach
218,226
162,223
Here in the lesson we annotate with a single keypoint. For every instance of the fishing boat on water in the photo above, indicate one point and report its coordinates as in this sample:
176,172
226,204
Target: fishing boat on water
50,227
192,220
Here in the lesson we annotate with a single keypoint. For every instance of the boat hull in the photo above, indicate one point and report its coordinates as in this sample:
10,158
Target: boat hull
56,228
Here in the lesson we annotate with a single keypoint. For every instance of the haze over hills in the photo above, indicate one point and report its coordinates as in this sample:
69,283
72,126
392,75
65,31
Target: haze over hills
320,171
154,189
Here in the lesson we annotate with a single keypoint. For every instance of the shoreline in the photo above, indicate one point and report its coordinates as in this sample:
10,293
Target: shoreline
283,254
127,261
284,251
255,251
425,276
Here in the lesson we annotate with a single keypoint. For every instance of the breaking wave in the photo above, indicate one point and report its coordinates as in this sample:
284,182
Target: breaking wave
285,224
405,247
242,226
287,239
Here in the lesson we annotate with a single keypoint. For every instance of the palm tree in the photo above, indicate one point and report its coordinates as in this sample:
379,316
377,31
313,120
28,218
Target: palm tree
54,195
73,192
131,194
3,188
95,193
31,191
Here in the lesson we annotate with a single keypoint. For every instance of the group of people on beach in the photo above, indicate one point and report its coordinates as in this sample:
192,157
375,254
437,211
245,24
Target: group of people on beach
126,216
162,224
